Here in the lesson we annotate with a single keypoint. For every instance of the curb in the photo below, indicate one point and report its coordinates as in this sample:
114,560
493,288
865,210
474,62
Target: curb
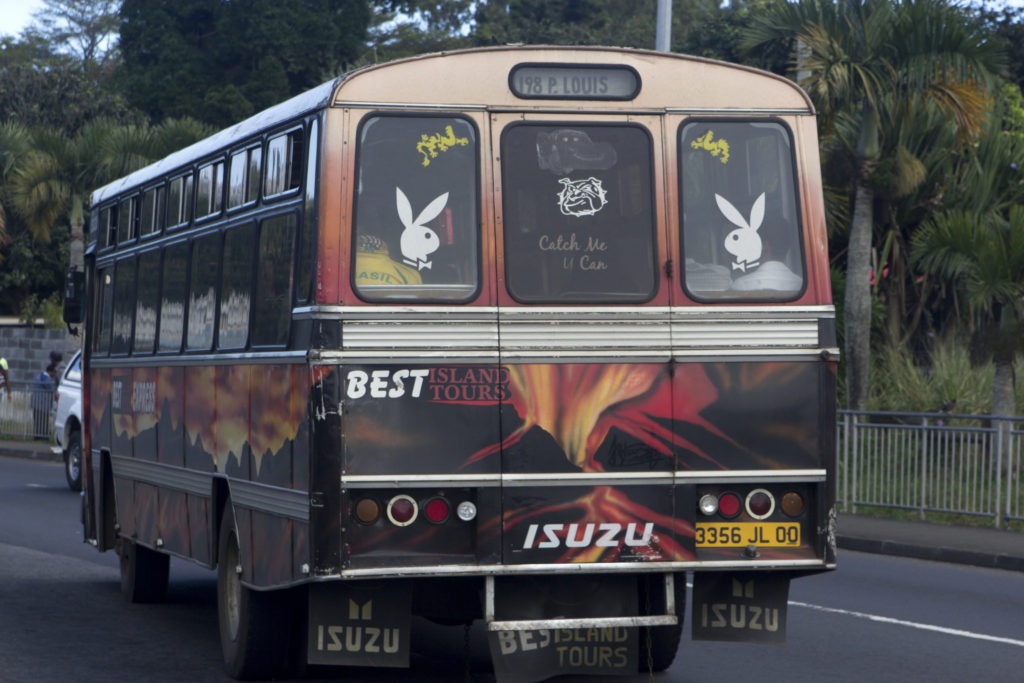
938,554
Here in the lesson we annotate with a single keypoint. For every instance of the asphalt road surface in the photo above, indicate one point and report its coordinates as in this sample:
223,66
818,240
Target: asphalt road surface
875,619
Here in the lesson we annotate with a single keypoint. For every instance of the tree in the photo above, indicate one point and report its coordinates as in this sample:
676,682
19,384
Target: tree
854,54
983,254
85,30
566,22
221,61
977,245
52,182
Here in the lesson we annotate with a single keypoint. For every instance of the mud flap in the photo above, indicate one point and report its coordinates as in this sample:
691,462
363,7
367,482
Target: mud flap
360,625
524,656
746,607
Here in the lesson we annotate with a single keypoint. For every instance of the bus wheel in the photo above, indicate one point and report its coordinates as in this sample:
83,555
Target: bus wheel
73,461
144,572
659,644
247,618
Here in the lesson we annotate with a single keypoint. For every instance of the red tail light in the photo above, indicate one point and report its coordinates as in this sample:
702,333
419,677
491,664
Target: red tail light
437,510
729,505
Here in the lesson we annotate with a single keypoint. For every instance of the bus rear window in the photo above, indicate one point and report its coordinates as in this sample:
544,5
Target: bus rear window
578,213
417,215
740,226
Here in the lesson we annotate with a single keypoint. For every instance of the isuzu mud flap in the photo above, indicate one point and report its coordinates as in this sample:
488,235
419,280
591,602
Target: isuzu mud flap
360,625
745,607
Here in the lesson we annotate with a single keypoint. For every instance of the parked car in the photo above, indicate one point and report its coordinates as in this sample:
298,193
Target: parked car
68,421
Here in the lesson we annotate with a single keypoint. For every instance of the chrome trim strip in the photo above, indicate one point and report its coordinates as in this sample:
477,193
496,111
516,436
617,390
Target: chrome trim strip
434,312
745,111
366,481
269,357
593,568
163,475
275,500
418,481
353,104
589,479
752,476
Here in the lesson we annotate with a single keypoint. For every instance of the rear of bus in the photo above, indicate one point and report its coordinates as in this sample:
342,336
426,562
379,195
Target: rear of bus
575,341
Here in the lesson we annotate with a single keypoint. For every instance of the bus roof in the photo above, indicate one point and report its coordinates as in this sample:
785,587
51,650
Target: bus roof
480,77
311,100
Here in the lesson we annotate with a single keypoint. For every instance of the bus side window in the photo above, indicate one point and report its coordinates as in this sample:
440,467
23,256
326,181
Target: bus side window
124,306
174,289
236,288
105,314
202,287
147,302
274,279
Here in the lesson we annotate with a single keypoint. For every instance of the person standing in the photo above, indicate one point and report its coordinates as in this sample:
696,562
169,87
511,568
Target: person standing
42,401
5,381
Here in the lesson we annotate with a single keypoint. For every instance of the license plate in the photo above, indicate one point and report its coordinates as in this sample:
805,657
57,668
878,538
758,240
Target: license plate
742,534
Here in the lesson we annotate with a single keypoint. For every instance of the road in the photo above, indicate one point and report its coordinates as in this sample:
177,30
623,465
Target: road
876,619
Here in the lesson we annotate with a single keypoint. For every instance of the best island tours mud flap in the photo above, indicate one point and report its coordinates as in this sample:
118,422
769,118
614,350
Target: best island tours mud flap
360,624
526,655
740,607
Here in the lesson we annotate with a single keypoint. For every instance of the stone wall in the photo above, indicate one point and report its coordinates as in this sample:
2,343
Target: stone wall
27,349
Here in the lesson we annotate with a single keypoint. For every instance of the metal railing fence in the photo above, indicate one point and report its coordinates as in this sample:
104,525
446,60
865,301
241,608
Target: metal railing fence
931,463
27,413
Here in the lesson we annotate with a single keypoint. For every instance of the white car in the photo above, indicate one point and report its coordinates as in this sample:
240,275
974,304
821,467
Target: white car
68,422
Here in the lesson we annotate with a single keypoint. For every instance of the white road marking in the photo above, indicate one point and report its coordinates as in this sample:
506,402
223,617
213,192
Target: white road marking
912,624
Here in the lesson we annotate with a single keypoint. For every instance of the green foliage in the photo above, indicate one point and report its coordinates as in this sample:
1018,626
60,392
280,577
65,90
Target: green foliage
50,310
219,61
28,268
943,380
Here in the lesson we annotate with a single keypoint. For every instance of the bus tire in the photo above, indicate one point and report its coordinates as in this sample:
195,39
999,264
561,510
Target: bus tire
246,618
73,461
144,572
659,644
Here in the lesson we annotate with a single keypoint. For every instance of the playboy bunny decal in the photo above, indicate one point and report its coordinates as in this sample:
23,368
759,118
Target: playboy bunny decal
743,243
418,241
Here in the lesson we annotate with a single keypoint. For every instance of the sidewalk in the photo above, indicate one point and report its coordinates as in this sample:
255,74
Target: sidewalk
978,546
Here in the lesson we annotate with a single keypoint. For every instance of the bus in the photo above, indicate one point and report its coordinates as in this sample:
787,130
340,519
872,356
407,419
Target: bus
529,336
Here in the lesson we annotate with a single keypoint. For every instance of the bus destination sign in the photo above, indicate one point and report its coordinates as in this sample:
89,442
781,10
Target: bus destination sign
574,82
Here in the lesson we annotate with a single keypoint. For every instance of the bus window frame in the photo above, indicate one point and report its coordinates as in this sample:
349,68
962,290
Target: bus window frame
164,249
140,256
159,213
216,201
131,261
227,231
184,200
680,236
260,226
290,170
246,152
308,232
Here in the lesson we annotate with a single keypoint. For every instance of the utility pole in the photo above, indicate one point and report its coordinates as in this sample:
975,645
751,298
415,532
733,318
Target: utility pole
663,36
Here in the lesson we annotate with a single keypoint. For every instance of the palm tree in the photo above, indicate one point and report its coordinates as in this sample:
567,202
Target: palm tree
53,180
983,254
977,246
853,54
